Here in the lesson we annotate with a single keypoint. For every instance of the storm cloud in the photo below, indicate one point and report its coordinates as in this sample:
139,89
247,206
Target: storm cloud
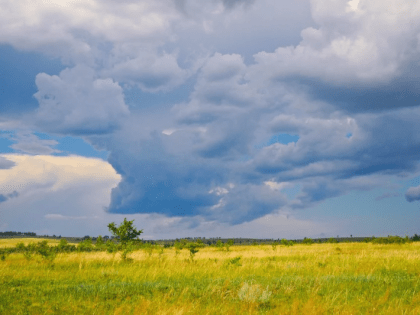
216,111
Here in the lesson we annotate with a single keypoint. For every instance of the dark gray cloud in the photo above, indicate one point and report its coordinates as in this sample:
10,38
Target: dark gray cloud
401,92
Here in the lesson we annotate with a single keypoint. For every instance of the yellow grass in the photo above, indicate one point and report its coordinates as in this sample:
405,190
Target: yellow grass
344,278
11,242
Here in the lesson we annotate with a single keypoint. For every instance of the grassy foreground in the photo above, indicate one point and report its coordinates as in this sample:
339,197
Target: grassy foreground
344,278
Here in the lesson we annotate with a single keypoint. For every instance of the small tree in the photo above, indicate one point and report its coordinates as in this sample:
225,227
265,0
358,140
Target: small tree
193,248
229,243
178,247
126,233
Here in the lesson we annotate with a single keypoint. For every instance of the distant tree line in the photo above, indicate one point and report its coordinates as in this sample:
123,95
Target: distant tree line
13,233
127,227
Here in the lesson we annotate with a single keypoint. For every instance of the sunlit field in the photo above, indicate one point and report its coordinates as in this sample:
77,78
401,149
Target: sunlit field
12,242
344,278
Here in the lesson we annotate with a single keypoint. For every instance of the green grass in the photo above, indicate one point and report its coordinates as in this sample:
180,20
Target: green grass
351,278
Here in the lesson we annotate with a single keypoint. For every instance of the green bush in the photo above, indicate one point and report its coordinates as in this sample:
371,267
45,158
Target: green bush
415,238
390,240
307,241
228,244
111,247
100,244
235,261
85,245
286,242
64,246
219,244
193,248
45,251
20,247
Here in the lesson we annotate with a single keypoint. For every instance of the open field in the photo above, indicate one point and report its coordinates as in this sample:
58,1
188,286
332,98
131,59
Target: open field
344,278
12,242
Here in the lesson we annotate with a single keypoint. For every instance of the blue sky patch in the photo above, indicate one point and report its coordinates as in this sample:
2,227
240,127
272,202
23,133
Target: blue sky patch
282,138
73,145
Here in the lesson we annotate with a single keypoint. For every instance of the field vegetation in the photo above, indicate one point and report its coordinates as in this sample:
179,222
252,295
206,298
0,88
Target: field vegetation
375,277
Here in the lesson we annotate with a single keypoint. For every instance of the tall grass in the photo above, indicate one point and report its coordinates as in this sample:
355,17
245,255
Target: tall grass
345,278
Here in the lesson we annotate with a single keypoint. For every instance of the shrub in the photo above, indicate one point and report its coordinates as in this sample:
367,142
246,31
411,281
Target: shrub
307,241
20,247
286,242
100,242
415,238
85,246
45,251
228,244
390,240
235,261
178,246
193,248
3,254
111,247
64,246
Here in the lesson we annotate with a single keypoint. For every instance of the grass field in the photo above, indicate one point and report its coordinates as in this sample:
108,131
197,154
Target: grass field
344,278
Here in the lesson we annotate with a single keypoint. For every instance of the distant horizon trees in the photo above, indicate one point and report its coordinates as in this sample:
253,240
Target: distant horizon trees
14,233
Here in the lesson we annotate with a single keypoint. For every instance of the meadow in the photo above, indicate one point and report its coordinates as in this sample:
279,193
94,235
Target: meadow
343,278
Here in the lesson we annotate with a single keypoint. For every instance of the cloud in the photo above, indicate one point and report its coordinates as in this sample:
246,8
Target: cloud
75,102
55,216
387,195
355,47
31,144
245,203
218,131
66,196
44,190
346,91
51,172
150,72
6,197
72,30
413,194
352,47
6,163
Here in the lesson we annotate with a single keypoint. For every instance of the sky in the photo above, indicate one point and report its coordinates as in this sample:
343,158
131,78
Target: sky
218,118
